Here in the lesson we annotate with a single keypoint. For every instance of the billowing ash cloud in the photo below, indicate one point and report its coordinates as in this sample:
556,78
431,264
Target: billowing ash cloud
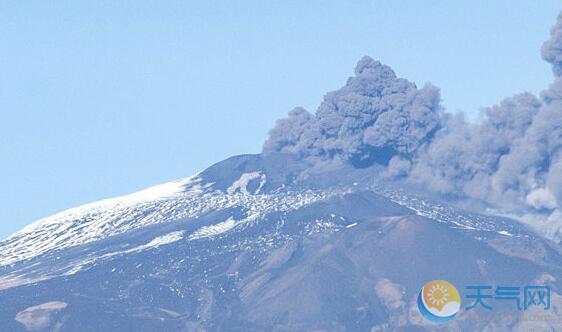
463,157
374,116
511,159
552,49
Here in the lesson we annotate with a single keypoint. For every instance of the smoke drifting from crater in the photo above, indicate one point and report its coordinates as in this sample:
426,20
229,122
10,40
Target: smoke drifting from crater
374,116
511,159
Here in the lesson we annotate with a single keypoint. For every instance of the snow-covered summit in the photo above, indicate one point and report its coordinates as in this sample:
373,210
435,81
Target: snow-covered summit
233,246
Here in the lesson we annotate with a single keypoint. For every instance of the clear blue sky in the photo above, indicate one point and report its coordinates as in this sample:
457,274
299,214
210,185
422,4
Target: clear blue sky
102,98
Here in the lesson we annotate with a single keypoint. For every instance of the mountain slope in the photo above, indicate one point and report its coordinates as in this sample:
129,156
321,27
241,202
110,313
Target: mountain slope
263,243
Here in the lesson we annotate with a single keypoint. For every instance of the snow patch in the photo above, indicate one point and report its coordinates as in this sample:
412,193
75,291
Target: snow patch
242,183
154,243
38,317
159,241
213,230
225,226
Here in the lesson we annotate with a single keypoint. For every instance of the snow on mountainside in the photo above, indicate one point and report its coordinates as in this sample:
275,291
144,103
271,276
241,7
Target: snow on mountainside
186,198
234,246
191,198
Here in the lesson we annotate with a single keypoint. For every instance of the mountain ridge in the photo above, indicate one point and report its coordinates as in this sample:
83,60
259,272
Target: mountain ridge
328,237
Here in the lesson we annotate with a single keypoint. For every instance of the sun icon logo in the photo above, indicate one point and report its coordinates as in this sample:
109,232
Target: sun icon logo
438,295
439,301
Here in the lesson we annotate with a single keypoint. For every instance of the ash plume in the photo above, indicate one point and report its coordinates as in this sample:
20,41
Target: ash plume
551,50
511,159
373,117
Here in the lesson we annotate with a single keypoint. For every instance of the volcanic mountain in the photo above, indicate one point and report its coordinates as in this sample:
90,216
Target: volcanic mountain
336,226
253,244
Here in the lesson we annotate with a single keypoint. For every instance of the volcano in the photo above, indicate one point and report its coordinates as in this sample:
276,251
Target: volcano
262,242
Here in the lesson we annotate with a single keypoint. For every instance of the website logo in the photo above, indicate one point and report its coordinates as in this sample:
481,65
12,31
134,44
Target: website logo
439,301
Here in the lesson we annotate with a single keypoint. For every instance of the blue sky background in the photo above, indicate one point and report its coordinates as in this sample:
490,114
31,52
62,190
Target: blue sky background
103,98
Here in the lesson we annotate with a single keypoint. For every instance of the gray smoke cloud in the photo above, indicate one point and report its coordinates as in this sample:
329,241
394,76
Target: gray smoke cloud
463,157
511,159
552,49
374,116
